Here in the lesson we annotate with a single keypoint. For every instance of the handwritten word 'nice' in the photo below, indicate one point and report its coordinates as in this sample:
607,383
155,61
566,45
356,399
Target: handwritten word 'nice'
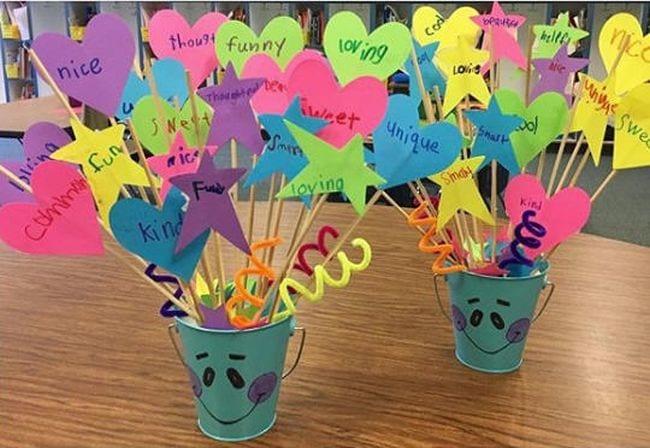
178,43
78,71
267,46
599,98
634,130
632,50
372,53
26,169
174,123
412,137
46,217
154,232
322,186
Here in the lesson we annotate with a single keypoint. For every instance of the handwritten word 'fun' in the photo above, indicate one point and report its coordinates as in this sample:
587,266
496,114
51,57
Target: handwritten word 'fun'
267,46
198,186
83,69
371,53
322,186
156,232
632,50
416,140
46,217
634,129
113,153
178,43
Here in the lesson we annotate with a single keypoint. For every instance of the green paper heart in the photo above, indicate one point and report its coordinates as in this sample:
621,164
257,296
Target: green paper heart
147,123
354,53
281,39
544,119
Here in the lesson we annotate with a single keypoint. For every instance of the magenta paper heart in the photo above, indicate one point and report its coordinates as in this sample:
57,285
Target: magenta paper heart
562,215
272,97
41,140
63,221
171,36
357,108
94,71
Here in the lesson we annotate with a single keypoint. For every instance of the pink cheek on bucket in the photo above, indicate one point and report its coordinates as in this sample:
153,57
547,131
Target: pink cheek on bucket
262,388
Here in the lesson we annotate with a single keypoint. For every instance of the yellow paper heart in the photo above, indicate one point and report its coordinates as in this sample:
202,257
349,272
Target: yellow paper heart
634,67
430,26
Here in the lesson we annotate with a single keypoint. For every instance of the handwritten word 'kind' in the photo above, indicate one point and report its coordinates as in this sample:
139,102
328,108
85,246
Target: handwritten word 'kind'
178,43
530,203
155,232
173,124
371,53
45,218
449,177
254,47
416,140
199,185
330,185
27,168
340,118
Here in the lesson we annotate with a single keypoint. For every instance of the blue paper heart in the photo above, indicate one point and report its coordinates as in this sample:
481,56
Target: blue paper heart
151,233
170,82
404,151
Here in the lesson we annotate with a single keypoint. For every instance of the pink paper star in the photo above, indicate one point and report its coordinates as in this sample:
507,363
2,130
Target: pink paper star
179,160
504,29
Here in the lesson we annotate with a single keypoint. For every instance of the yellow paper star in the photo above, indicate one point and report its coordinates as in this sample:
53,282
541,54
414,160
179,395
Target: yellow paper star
632,134
104,163
597,102
462,66
458,191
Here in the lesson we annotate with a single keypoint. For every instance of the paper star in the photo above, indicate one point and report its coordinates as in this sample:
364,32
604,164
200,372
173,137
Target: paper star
504,29
233,115
631,142
331,169
104,164
458,191
179,160
597,102
210,205
462,65
493,129
282,153
551,37
556,72
431,76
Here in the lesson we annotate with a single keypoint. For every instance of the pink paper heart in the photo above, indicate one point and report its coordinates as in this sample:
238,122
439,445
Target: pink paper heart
94,71
63,221
171,36
272,97
563,215
357,108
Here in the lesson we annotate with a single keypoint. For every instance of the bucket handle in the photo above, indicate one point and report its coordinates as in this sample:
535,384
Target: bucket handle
537,316
177,349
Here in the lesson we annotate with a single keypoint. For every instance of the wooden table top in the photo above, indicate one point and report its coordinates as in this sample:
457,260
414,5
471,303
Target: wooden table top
86,362
17,116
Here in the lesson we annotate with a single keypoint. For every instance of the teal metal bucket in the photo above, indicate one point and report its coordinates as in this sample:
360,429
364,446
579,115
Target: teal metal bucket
491,317
236,375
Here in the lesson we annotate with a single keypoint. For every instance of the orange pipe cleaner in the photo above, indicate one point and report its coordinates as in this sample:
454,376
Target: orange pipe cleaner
425,245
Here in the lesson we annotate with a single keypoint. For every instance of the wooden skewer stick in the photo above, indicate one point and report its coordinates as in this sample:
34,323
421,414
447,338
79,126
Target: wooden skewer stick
581,167
297,226
251,217
276,226
603,184
529,64
145,165
569,164
48,79
493,209
426,98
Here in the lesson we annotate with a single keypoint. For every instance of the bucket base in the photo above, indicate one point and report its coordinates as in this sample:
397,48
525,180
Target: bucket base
466,364
237,439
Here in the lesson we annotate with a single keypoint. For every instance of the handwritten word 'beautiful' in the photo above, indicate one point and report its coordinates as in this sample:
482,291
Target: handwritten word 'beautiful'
416,140
501,22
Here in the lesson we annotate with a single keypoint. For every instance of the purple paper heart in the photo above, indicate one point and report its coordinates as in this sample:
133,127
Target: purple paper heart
41,140
95,71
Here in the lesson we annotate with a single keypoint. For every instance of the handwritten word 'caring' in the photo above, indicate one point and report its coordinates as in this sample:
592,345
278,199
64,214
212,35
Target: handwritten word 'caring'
425,245
322,277
412,137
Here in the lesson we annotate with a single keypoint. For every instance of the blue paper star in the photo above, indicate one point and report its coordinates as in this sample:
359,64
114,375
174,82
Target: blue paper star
281,152
431,76
493,130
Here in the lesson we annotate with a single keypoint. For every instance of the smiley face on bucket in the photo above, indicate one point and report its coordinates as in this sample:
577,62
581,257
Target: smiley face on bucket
229,381
492,325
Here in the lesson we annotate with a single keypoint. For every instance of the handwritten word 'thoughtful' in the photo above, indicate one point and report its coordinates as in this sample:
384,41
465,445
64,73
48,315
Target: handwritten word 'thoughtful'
178,43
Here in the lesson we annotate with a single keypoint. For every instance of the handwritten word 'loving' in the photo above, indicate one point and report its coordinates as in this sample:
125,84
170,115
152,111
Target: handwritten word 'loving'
27,168
416,140
372,53
327,185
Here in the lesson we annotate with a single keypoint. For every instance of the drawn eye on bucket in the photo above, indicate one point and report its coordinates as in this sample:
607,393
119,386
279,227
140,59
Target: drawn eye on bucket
515,332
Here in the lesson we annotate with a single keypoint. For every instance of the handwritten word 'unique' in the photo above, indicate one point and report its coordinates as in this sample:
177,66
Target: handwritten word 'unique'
533,242
599,98
276,144
45,217
634,129
322,277
412,137
113,153
529,125
167,308
466,69
341,118
425,245
268,46
199,185
154,232
632,50
26,169
449,177
372,53
78,71
434,27
178,43
242,295
330,185
175,122
302,264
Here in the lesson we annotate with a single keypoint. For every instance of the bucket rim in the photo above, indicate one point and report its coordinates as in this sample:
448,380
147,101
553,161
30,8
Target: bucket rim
542,273
186,322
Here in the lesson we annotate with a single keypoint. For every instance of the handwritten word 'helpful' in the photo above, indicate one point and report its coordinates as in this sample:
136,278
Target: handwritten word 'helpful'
425,244
411,136
371,53
322,278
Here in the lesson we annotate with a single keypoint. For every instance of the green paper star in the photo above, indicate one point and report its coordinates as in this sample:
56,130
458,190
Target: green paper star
331,169
551,37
